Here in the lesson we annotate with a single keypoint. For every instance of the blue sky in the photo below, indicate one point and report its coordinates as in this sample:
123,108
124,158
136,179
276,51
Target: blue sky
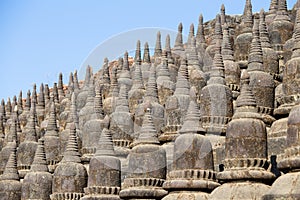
39,39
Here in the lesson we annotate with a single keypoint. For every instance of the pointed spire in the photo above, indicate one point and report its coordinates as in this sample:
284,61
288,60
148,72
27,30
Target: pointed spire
122,102
168,49
3,110
227,51
191,34
168,44
193,58
105,76
114,88
164,70
179,42
2,130
55,93
12,137
157,50
146,56
76,82
41,97
20,102
30,127
182,84
263,31
71,153
125,62
282,11
34,93
255,59
218,35
151,90
33,108
246,98
8,105
105,144
10,171
46,94
14,104
39,163
52,129
273,7
87,76
98,104
223,15
200,32
138,57
148,133
120,64
70,85
247,16
191,122
217,73
91,92
71,82
60,86
138,78
28,101
73,117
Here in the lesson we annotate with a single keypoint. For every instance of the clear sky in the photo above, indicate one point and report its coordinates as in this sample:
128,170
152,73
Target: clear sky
40,38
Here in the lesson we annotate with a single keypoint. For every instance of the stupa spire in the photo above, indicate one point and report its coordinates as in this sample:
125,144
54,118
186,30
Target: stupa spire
71,153
157,50
39,163
246,98
255,59
200,32
10,171
223,14
263,31
146,57
227,51
76,82
148,133
138,57
273,7
192,120
52,129
105,145
151,90
191,34
182,84
178,42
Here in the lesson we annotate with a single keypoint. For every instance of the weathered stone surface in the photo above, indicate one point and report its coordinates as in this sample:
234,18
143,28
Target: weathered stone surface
70,176
261,83
104,180
285,187
281,28
242,190
277,137
147,165
10,185
37,183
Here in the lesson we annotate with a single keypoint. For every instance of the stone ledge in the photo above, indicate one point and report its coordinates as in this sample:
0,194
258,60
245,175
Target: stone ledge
246,174
69,196
184,184
246,163
142,182
143,193
95,190
192,174
122,143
